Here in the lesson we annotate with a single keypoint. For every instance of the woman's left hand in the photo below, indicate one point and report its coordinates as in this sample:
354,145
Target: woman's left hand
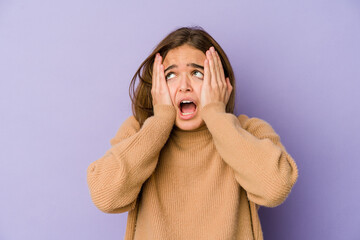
215,87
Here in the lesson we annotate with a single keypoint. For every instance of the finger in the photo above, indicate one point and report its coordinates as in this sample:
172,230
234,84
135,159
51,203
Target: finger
154,77
162,74
228,84
229,87
212,70
158,83
206,72
222,74
220,81
162,82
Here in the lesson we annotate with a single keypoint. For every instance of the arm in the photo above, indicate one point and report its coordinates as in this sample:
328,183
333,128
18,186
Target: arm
115,179
253,150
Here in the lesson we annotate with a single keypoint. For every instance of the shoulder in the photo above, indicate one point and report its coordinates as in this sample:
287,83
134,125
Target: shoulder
256,126
129,127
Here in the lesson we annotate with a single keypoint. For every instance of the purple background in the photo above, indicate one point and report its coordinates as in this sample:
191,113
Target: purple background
65,68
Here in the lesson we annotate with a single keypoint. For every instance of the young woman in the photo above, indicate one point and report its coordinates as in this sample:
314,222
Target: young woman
184,166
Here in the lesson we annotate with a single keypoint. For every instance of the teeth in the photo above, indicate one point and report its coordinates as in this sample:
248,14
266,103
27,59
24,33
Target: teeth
186,113
186,101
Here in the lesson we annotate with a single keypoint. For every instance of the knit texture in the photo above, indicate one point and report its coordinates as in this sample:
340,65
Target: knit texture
206,183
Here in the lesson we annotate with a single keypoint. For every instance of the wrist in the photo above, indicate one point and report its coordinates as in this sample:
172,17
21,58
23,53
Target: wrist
164,111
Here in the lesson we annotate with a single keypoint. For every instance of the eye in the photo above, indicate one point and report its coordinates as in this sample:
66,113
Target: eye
167,75
199,74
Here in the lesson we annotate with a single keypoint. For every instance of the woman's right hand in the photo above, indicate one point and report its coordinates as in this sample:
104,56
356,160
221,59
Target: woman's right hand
159,90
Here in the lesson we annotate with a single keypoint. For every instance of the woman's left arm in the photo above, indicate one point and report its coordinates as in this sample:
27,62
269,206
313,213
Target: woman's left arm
251,147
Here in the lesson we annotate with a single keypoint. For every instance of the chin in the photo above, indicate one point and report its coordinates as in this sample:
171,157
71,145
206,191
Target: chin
188,125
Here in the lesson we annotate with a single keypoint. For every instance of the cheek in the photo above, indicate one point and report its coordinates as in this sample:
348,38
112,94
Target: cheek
172,91
198,88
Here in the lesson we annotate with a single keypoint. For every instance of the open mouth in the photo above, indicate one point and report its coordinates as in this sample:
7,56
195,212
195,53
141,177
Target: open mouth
187,107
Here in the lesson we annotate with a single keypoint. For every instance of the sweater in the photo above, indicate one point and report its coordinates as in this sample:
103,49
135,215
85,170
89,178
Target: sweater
207,183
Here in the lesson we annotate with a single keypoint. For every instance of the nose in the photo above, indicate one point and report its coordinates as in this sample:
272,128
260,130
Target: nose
185,83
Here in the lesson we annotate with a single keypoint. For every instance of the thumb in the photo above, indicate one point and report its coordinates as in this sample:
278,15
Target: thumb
230,88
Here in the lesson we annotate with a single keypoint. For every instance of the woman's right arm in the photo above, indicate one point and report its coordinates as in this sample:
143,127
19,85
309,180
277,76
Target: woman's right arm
115,179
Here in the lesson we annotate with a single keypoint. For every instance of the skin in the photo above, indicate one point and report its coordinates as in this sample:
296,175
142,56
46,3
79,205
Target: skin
205,86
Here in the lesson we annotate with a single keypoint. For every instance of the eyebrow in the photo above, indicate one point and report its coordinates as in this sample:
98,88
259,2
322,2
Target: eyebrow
189,64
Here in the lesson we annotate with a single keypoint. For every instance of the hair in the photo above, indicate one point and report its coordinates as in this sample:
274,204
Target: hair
141,98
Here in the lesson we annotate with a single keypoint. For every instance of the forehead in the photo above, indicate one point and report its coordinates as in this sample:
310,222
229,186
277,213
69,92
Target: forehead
183,55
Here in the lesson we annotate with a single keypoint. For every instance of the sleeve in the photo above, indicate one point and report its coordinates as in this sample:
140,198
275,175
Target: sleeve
115,179
253,150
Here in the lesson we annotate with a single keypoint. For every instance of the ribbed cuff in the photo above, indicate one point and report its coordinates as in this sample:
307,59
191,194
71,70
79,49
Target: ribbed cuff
211,108
165,111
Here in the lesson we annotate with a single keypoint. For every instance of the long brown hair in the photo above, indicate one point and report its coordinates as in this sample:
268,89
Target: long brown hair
197,37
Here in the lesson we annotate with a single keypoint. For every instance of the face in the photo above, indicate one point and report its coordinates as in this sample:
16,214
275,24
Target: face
184,74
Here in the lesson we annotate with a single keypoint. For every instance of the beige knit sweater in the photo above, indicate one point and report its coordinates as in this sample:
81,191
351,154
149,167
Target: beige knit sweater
202,184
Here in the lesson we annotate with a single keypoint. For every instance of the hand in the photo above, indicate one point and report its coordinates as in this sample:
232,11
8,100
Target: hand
159,90
215,87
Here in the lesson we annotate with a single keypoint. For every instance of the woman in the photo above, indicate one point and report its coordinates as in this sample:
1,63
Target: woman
184,166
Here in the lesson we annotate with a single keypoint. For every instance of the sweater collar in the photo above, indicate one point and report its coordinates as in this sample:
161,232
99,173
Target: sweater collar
184,137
